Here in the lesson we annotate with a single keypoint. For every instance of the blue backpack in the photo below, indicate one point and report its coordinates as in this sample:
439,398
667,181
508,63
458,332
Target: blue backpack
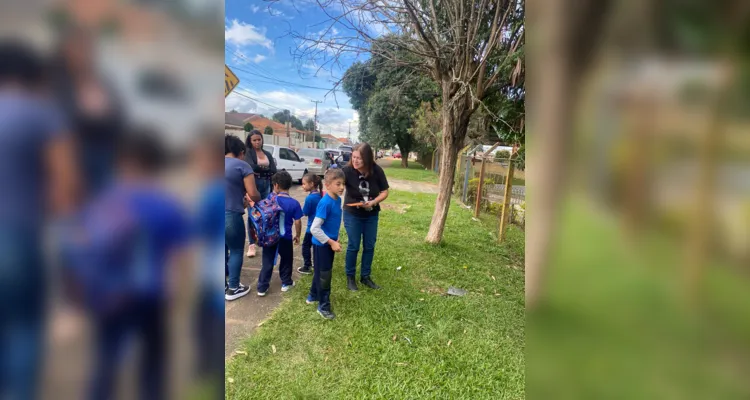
265,218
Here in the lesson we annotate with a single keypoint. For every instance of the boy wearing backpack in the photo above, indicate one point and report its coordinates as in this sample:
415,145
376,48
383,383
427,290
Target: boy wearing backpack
277,238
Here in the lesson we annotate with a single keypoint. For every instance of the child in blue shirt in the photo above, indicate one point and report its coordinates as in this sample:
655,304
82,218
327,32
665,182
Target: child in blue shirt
291,215
312,184
325,230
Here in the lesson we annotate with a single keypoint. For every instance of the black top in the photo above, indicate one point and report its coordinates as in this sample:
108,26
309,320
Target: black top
260,172
357,186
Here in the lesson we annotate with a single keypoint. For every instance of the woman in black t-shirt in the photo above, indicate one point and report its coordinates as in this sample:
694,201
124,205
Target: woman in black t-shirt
366,188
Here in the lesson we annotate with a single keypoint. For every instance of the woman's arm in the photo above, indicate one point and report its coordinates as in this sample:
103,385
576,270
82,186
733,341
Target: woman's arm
381,198
250,188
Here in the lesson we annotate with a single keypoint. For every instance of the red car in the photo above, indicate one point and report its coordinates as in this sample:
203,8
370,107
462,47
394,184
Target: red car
397,154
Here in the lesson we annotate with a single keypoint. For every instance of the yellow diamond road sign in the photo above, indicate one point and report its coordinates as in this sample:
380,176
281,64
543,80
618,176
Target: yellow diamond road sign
230,81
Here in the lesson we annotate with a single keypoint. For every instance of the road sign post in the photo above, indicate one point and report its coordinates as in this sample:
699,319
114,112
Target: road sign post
230,81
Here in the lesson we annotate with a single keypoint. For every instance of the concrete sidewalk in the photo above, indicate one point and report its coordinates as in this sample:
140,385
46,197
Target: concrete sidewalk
243,315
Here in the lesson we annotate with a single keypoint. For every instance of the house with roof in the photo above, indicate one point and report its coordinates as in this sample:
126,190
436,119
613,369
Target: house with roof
283,134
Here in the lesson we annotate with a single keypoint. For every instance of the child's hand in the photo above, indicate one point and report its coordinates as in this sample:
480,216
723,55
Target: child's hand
335,246
296,240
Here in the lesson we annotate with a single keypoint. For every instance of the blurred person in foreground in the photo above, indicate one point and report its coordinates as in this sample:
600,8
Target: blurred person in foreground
37,181
209,321
91,106
126,251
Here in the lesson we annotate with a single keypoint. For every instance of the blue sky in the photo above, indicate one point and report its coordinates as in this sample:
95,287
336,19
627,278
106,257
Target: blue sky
260,52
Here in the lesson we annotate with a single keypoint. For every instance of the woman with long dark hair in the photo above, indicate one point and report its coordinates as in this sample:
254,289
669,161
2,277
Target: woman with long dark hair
240,187
367,187
264,166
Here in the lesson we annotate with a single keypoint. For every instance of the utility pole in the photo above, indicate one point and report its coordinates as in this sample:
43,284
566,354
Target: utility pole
315,123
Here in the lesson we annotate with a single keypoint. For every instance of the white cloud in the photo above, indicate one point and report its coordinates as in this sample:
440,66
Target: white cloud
258,58
242,34
254,8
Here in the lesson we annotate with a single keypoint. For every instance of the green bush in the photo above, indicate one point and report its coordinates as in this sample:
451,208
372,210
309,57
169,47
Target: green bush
473,187
503,155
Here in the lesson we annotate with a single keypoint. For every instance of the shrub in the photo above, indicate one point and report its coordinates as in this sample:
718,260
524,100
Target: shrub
503,155
473,187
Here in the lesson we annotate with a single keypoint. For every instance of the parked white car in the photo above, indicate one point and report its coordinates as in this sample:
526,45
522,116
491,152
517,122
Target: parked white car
287,160
316,159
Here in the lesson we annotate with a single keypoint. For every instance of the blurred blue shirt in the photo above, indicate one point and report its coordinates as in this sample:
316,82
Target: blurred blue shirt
124,244
27,126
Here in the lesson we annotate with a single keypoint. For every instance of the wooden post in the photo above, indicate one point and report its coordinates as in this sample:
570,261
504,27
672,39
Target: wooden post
480,186
505,213
466,178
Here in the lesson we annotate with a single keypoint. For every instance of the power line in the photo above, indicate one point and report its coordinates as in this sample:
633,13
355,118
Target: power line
276,107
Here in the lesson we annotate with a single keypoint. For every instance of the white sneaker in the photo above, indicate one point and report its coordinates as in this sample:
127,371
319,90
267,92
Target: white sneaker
286,288
251,251
262,294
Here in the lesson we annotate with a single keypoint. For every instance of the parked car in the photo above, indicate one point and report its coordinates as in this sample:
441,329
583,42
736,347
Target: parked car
287,160
345,148
317,160
397,154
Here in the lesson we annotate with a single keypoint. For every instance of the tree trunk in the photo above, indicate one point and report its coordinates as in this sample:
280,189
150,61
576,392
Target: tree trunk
404,161
404,148
456,115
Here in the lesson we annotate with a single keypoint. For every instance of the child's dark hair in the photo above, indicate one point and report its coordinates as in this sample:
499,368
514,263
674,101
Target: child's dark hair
315,180
143,148
20,64
334,174
233,145
283,179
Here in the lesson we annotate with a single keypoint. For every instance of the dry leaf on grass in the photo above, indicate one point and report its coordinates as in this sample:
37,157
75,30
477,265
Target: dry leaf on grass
449,342
394,337
493,277
244,353
273,348
402,364
230,380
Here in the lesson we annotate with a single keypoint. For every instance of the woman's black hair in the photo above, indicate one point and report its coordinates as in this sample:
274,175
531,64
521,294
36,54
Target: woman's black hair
283,179
249,139
315,179
365,152
234,145
20,64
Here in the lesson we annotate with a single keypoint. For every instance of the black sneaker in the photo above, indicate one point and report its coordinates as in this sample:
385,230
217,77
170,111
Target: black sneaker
326,314
369,283
305,270
234,294
351,283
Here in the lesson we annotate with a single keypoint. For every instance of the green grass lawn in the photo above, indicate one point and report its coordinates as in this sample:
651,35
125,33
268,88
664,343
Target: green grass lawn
407,340
417,173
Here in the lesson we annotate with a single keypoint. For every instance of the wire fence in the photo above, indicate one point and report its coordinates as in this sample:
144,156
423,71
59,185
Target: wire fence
491,187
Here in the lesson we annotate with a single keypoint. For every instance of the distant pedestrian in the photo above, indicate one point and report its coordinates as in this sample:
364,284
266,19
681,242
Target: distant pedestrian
312,184
325,231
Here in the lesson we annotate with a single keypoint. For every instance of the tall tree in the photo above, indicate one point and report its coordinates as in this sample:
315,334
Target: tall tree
268,131
386,96
471,48
286,116
248,127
